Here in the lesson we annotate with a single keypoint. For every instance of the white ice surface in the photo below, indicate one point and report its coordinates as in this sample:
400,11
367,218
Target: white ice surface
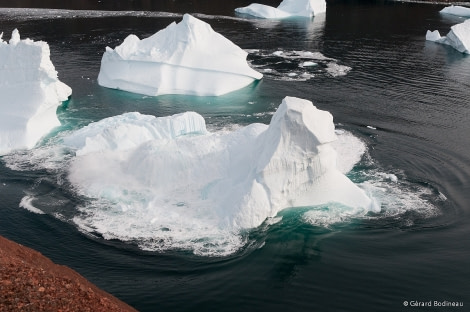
287,8
456,10
458,37
184,58
197,187
30,93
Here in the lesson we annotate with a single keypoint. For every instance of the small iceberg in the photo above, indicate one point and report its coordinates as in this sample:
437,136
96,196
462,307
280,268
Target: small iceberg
169,183
287,8
458,37
456,10
184,58
30,93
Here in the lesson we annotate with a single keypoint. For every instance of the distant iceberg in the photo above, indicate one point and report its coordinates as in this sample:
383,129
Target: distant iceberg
456,10
458,37
168,182
30,93
184,58
287,8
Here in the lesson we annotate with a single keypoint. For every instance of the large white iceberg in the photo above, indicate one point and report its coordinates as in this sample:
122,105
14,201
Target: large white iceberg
456,10
169,181
287,8
458,37
30,93
184,58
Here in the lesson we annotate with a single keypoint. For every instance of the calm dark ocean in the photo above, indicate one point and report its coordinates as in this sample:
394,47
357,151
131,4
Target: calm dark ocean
407,99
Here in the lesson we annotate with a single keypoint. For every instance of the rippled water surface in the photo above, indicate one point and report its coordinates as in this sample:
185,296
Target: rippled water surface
406,99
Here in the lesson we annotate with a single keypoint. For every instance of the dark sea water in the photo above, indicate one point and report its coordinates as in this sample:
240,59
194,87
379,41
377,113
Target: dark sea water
407,99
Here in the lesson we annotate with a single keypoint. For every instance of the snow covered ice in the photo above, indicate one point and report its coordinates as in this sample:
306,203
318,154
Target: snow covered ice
170,183
30,93
458,37
287,8
184,58
456,10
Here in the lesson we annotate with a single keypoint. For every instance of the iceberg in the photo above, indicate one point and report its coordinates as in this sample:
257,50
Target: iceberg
456,10
30,93
287,8
168,181
458,37
184,58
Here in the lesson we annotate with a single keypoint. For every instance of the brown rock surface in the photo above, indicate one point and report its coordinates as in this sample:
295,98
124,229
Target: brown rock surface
31,282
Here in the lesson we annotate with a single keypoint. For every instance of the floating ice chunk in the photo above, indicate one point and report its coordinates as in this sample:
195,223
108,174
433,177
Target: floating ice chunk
308,64
207,186
287,8
262,11
433,35
337,70
30,93
184,58
458,37
456,10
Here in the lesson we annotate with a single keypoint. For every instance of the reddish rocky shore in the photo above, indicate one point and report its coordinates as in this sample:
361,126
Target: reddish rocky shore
31,282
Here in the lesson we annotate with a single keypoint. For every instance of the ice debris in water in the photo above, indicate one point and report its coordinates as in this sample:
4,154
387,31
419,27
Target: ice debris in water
184,58
287,8
30,93
458,37
169,183
278,64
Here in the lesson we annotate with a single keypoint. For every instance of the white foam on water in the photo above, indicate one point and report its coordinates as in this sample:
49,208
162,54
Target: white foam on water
277,64
395,197
350,150
325,216
27,203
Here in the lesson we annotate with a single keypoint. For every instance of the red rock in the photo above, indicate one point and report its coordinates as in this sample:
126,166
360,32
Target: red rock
22,267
